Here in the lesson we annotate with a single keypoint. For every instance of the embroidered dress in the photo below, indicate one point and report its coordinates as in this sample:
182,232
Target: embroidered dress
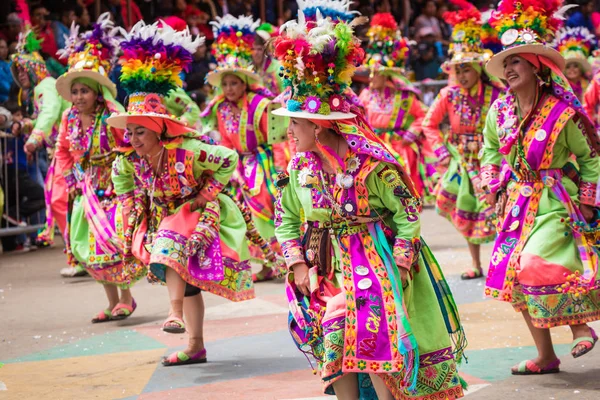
363,225
459,197
244,128
396,115
94,216
161,223
539,263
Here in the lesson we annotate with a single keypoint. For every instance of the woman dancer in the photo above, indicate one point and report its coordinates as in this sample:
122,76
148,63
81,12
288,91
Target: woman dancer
45,107
542,261
84,154
360,285
190,235
576,45
240,114
391,103
466,104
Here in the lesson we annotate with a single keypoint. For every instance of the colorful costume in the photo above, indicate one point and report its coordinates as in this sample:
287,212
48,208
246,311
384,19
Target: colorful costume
85,158
363,226
206,247
576,45
45,108
246,126
459,197
543,260
396,113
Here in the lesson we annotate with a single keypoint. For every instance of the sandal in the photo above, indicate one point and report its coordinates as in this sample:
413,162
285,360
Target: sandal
473,273
264,276
103,316
180,358
125,308
588,342
173,329
528,367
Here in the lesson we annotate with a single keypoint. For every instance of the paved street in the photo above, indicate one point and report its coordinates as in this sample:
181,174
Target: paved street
49,350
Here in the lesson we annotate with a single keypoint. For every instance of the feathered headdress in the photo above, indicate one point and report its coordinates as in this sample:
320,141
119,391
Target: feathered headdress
467,34
527,26
337,10
91,55
27,56
266,31
232,48
387,50
576,45
318,65
153,59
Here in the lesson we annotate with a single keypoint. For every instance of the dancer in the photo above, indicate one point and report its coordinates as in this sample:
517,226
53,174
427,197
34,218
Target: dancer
84,155
45,107
576,45
241,115
542,261
190,235
361,281
391,103
466,104
265,66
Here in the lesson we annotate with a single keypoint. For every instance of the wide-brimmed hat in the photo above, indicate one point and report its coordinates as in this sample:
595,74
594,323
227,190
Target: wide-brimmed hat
525,27
472,39
232,49
575,45
91,55
387,51
317,64
154,56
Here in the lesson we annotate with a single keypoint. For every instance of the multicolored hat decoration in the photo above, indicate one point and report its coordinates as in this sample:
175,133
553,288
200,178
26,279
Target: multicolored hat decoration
232,48
318,65
153,58
28,56
387,50
526,26
467,35
91,55
337,10
576,45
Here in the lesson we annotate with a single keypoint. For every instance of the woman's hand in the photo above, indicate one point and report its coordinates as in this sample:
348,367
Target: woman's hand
490,198
444,162
587,211
199,202
404,275
301,278
29,148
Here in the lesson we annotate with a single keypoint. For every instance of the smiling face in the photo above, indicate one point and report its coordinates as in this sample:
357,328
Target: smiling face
84,98
144,141
518,72
466,75
573,71
233,87
303,132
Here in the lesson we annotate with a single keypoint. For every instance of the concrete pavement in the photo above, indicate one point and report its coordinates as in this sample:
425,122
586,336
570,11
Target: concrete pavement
49,350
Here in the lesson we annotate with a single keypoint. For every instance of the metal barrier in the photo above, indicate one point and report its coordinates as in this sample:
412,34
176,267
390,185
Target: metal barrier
12,223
